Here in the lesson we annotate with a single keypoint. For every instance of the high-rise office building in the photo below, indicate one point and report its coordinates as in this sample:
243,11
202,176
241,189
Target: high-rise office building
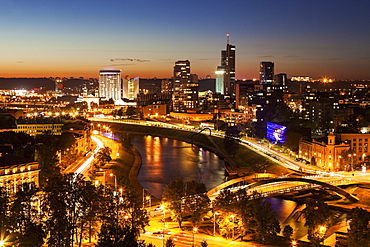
130,87
185,88
220,77
228,61
266,72
110,86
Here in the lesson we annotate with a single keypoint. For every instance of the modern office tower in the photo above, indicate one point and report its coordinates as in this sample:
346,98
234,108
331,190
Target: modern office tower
281,79
266,72
133,88
130,87
185,88
166,86
110,86
58,85
220,76
228,61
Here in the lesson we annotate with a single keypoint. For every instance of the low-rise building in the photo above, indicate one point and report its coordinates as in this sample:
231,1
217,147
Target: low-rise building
341,151
38,128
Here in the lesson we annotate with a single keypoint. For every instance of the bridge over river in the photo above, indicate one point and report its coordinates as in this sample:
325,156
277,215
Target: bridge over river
281,185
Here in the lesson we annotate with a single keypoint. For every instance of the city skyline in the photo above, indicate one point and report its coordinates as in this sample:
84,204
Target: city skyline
145,38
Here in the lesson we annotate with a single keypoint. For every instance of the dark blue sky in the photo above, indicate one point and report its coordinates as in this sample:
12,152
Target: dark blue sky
78,38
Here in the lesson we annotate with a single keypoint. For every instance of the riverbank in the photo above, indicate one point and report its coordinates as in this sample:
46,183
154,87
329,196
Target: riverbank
242,159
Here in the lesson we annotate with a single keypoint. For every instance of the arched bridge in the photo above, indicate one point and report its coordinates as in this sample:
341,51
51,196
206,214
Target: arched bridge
275,186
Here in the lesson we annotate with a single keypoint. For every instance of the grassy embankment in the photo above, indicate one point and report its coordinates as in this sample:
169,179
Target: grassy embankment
244,158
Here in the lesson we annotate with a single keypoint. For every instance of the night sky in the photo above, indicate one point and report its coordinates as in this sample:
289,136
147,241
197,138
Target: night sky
317,38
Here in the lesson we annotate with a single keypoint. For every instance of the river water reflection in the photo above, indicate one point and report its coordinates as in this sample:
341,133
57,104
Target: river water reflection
164,160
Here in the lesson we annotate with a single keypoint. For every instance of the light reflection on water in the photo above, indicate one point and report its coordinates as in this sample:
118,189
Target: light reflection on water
164,160
282,208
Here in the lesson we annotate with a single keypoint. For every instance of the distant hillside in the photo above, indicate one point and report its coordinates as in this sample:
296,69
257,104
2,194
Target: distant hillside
26,83
46,84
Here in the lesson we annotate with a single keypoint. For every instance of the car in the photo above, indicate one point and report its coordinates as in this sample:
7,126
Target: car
180,234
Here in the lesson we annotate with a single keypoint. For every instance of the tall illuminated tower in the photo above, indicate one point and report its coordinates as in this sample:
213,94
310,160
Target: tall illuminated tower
110,86
228,61
220,77
185,88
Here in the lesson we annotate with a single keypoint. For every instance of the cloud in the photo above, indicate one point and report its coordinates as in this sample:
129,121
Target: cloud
119,64
291,56
130,60
19,61
266,56
334,58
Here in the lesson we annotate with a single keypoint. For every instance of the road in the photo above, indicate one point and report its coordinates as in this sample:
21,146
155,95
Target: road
182,238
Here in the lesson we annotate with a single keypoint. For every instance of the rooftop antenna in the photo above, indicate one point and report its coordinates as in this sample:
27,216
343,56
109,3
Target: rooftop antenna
227,35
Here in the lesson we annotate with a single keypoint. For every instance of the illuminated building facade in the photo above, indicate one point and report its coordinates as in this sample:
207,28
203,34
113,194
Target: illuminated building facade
330,154
266,72
39,128
110,86
14,175
220,77
228,62
341,151
58,85
185,88
359,144
130,88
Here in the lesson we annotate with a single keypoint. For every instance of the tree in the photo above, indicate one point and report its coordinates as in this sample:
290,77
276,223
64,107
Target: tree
260,220
204,243
228,204
130,111
172,197
25,224
359,232
46,156
288,232
125,141
186,199
101,158
170,242
70,201
4,209
112,235
318,217
196,201
33,236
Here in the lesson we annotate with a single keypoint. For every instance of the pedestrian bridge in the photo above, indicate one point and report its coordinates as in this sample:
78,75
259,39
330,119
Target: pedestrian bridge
281,185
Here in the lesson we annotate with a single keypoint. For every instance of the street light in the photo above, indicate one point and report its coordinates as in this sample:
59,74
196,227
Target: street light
322,231
194,230
115,183
233,216
351,156
294,243
149,198
164,220
214,223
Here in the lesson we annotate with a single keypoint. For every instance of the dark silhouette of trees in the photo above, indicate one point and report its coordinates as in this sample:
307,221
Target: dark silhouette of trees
24,222
186,199
288,232
252,213
359,232
260,220
318,218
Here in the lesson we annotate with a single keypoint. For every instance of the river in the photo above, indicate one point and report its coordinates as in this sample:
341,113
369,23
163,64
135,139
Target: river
164,160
